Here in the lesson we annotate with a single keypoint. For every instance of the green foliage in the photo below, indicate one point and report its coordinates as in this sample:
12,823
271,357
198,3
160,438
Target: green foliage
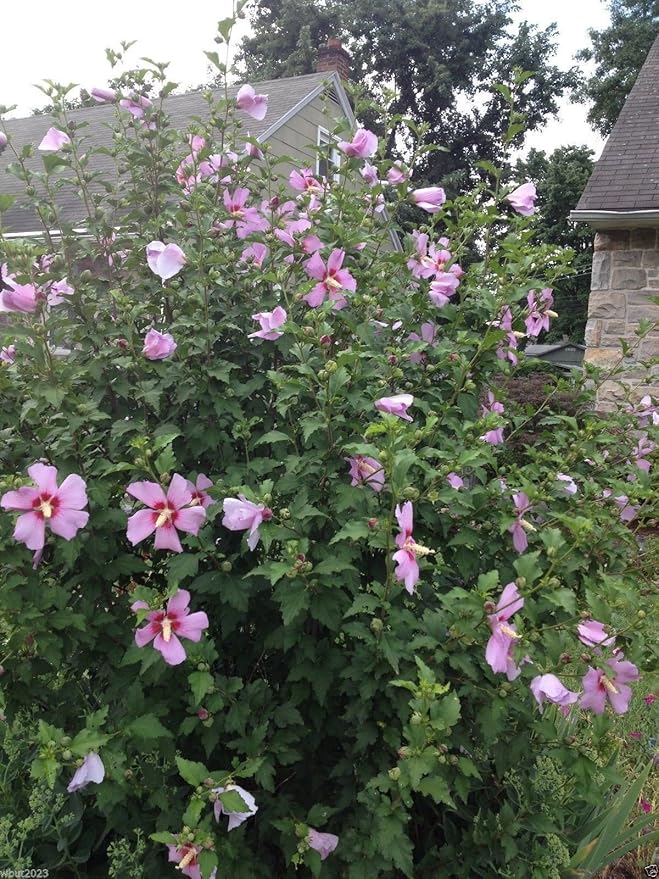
560,178
440,57
618,51
322,687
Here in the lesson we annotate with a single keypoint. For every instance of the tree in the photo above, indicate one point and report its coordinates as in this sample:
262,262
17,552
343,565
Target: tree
434,67
560,179
619,52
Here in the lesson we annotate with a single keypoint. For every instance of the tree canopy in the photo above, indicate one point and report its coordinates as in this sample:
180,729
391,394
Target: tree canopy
619,51
430,61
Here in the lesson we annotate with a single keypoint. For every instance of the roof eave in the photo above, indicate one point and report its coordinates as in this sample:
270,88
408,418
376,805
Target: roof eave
616,219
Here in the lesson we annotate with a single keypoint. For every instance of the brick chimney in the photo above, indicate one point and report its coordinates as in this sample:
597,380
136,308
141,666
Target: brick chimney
333,57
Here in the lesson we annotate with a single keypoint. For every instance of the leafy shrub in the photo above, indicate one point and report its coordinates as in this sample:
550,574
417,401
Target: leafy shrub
323,675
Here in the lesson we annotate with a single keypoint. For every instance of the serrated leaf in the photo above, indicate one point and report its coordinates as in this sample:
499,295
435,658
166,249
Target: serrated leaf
208,861
88,740
163,836
436,787
233,802
193,812
192,772
148,727
200,683
351,531
180,566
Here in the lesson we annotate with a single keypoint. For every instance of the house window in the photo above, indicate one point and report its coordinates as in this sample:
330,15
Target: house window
328,159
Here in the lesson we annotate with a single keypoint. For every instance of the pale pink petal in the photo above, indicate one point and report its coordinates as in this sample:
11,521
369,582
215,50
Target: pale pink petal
72,493
44,476
170,262
178,603
172,651
140,525
31,530
191,519
146,634
191,626
153,251
316,296
315,267
167,538
335,260
66,523
22,499
150,493
178,493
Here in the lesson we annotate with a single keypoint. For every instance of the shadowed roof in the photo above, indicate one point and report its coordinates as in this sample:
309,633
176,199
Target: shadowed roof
626,178
284,95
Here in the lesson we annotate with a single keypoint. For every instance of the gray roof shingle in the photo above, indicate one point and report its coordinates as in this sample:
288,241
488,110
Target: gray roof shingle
626,177
283,96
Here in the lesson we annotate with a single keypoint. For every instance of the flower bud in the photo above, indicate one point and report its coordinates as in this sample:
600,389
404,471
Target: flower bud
285,513
66,741
565,658
128,774
586,657
325,340
640,614
393,360
372,523
226,567
331,366
410,493
203,714
570,740
489,607
67,755
404,752
443,749
376,625
322,375
453,760
394,774
416,719
520,582
202,666
267,498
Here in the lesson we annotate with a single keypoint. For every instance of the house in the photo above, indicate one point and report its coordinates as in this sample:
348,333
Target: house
302,111
621,203
565,354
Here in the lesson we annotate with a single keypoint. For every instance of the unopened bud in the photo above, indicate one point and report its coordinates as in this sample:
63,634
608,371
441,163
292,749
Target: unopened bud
410,493
570,740
416,719
226,567
520,582
453,760
67,755
325,340
128,774
393,360
404,752
489,607
285,513
394,774
372,523
203,714
586,657
331,366
565,658
376,625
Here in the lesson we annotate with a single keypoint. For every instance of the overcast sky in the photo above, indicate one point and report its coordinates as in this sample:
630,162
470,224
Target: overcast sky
66,41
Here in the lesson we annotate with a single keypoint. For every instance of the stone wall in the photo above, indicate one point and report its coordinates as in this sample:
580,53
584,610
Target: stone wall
625,277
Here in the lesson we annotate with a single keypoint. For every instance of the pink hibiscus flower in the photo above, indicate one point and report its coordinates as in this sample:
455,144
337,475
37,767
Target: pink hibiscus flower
407,567
598,687
167,514
498,653
333,280
165,627
59,507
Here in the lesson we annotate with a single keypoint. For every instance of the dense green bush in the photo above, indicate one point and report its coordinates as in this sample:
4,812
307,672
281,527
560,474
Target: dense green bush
342,699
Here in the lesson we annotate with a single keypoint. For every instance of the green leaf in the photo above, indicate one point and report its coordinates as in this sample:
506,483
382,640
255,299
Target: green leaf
352,531
293,598
445,712
185,564
192,814
53,161
88,740
200,684
6,201
148,727
436,787
192,772
46,768
233,802
164,837
273,436
208,861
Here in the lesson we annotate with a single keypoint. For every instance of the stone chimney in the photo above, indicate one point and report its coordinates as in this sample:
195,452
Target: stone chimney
333,57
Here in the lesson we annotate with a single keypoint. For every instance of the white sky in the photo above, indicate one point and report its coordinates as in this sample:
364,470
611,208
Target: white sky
66,41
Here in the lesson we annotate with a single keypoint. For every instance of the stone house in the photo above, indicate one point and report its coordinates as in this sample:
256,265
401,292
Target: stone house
621,203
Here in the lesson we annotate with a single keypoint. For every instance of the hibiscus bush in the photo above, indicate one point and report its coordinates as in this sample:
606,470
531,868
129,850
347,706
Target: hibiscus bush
283,593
